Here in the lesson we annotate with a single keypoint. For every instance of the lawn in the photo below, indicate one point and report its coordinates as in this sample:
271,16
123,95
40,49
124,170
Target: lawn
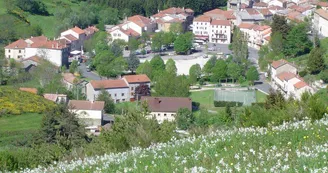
47,23
120,107
15,127
260,97
205,98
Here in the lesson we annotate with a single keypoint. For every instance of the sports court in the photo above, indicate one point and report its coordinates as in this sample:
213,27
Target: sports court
247,97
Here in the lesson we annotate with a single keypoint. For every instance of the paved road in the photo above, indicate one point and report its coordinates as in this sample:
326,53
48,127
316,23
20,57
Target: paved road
87,74
262,85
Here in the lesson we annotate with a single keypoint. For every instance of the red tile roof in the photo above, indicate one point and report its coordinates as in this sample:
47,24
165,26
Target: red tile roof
77,30
69,77
261,27
167,104
221,22
279,63
202,18
173,10
322,4
86,105
19,44
189,10
31,90
321,12
53,97
275,8
141,78
265,12
227,14
252,11
260,4
300,84
267,38
130,32
286,76
50,44
106,84
246,25
70,37
34,58
90,30
140,20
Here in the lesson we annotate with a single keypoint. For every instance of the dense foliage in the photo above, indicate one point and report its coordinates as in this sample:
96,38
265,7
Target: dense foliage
227,103
13,101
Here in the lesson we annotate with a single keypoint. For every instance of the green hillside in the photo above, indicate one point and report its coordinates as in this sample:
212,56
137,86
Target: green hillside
291,147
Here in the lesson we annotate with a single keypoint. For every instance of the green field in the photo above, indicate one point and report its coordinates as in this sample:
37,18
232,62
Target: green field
16,127
260,97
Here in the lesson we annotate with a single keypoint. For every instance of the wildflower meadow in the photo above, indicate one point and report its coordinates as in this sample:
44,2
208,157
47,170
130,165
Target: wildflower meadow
300,146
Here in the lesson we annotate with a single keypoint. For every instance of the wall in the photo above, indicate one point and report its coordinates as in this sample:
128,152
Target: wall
133,86
53,55
117,34
93,94
14,53
90,92
161,116
323,27
226,30
201,28
133,26
92,117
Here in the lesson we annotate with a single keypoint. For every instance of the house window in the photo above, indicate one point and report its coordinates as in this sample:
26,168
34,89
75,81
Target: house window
20,51
131,88
172,115
118,100
115,35
122,94
158,114
123,100
9,50
8,56
115,95
110,95
19,56
164,115
132,93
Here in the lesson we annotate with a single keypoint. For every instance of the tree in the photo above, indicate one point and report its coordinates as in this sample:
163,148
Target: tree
170,85
108,65
184,118
195,73
169,38
324,75
45,72
108,16
73,66
176,28
297,42
276,43
275,99
170,66
252,74
208,67
141,90
61,126
157,66
239,46
219,71
316,62
279,24
133,44
116,49
145,68
133,62
234,71
183,43
157,42
109,103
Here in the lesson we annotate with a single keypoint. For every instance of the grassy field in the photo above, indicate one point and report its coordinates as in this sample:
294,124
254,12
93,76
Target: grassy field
15,127
260,97
291,147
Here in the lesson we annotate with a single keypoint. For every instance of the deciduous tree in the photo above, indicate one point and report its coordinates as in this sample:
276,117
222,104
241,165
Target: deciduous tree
109,103
195,73
133,62
316,62
170,66
219,71
184,118
183,43
252,74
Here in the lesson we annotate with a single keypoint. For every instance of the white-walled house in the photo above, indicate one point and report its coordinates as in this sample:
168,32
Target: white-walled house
117,89
320,22
284,78
76,36
206,28
165,108
55,51
256,34
134,81
90,112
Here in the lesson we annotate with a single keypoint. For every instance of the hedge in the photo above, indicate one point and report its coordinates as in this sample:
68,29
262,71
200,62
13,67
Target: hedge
227,103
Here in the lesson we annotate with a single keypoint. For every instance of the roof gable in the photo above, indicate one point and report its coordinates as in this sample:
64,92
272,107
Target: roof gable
108,84
86,105
141,78
167,104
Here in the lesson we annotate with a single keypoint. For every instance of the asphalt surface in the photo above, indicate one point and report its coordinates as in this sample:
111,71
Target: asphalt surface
87,74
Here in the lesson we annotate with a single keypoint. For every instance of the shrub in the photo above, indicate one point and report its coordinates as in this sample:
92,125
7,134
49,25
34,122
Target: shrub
302,73
227,103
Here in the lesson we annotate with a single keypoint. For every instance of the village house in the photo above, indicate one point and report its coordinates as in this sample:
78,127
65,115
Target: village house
320,22
249,15
117,89
166,17
75,36
30,63
89,112
280,3
322,5
165,108
284,78
211,30
222,15
69,81
134,81
260,5
133,26
57,98
256,34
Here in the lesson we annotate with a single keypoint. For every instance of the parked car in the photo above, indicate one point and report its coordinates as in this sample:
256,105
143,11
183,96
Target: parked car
211,48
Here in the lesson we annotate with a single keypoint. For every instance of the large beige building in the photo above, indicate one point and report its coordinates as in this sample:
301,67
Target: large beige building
320,22
257,34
